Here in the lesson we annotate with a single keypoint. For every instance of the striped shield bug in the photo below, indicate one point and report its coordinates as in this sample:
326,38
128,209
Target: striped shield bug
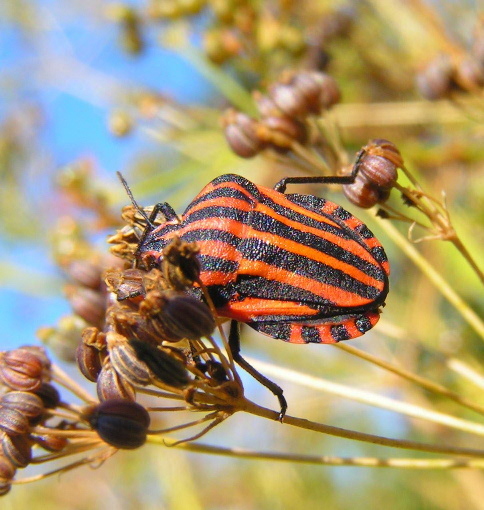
294,267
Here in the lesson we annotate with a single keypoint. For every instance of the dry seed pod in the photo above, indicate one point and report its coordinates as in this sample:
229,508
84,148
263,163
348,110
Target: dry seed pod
180,263
282,131
125,284
50,442
330,93
178,315
17,449
88,304
469,74
89,361
49,395
125,361
266,105
361,193
435,81
111,386
85,273
165,367
29,404
289,100
240,133
21,369
7,470
120,423
13,422
216,371
377,164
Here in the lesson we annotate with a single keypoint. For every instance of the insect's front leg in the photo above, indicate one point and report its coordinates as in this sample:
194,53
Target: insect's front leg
234,344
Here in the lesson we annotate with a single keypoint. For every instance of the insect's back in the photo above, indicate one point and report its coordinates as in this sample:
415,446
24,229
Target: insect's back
295,267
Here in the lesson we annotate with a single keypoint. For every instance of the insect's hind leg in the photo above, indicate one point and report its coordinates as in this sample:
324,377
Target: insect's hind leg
234,344
322,179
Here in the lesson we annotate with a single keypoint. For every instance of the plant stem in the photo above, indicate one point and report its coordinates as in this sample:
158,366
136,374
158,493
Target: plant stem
257,410
444,287
420,381
327,460
369,398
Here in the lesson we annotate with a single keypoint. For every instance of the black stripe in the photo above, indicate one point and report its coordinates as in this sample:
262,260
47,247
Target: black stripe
211,263
363,324
215,212
339,332
277,330
260,287
156,239
241,181
310,334
264,223
210,234
224,193
258,250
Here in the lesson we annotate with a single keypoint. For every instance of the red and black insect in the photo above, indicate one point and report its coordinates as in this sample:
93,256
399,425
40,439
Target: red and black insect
294,267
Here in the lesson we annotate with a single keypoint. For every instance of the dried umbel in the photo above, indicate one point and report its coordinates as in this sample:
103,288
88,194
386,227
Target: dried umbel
305,93
376,173
444,76
284,114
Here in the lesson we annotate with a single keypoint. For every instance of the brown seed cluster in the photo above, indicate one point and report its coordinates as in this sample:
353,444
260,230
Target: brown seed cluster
283,113
27,395
376,173
461,73
150,340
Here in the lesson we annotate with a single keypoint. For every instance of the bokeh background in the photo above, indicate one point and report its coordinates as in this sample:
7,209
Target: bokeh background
90,88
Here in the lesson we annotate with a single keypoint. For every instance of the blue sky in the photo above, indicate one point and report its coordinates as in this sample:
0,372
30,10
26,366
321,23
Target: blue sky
70,64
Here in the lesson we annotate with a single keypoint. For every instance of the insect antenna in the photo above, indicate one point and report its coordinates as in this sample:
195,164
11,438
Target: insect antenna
149,222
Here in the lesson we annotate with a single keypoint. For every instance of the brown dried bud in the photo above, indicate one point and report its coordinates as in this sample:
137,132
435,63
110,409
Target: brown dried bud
120,423
125,284
89,361
49,395
361,193
165,367
240,132
111,386
87,303
85,273
216,371
50,442
28,404
177,315
22,368
5,487
180,263
13,422
17,449
281,132
290,100
436,80
469,74
330,93
266,105
7,470
377,166
125,361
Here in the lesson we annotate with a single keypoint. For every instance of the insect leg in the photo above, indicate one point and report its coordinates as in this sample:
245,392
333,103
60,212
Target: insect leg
234,344
322,179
